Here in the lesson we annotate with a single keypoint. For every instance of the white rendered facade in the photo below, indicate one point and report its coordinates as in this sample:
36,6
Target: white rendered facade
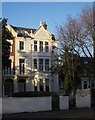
33,58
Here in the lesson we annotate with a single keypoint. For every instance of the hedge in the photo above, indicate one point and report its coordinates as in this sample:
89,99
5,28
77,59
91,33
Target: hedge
33,94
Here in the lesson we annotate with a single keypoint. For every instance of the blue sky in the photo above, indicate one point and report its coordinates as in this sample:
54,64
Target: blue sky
30,14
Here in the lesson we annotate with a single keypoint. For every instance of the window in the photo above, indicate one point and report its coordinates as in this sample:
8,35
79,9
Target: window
46,47
35,45
41,64
35,63
41,46
47,84
21,45
21,66
85,84
46,64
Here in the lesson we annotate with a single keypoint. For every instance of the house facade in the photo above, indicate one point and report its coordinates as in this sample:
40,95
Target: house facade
31,57
87,74
85,77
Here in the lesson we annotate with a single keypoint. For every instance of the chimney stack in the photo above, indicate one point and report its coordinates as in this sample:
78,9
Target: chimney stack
43,24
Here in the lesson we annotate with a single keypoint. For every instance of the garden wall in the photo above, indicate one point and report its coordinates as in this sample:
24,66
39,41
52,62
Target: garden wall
28,104
63,102
83,98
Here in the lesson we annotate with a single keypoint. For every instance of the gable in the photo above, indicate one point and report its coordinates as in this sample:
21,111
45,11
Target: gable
11,30
42,33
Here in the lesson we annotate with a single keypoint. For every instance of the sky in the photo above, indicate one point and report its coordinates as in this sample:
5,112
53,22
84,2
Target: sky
30,14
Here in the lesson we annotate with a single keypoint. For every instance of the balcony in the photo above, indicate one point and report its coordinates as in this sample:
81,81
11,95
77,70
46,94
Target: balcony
8,72
23,74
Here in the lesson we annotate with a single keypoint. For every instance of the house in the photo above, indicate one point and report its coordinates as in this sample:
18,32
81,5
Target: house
31,57
87,74
85,77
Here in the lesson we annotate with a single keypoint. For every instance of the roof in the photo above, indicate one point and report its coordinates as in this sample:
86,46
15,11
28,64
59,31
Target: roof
25,32
26,29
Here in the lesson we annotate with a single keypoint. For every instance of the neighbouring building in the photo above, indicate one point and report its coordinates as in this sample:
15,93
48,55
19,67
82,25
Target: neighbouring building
87,74
31,57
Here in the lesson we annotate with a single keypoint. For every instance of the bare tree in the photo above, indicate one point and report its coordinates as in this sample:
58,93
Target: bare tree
76,39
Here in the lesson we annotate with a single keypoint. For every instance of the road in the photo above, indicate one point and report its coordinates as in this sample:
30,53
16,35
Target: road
75,113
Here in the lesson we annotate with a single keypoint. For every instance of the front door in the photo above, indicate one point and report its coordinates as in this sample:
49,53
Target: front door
8,87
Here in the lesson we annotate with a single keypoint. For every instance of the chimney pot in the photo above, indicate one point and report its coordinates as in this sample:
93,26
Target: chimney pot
43,24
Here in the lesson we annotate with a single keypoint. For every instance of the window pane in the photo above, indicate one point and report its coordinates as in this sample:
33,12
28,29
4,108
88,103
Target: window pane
21,45
47,61
41,46
22,66
35,42
46,47
35,63
46,43
41,64
46,64
35,45
41,61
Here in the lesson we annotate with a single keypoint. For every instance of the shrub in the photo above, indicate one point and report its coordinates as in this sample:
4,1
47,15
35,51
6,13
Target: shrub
33,94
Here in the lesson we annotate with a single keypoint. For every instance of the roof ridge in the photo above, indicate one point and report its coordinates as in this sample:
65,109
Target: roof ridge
23,27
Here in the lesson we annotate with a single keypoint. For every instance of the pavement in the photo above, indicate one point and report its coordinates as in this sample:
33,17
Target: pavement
74,113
